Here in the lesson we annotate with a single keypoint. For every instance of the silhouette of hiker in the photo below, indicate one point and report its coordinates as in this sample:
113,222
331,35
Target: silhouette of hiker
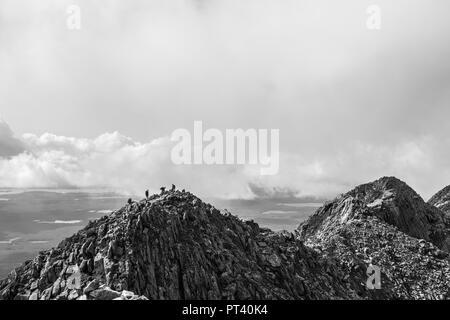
130,205
173,188
146,194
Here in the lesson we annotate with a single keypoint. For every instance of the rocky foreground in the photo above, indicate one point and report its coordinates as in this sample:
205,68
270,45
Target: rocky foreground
174,246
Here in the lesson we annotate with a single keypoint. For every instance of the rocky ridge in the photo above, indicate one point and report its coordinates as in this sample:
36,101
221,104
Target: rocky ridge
441,200
174,246
385,223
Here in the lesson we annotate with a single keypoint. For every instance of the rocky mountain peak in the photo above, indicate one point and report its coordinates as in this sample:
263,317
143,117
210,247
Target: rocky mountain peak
174,246
387,224
392,201
441,200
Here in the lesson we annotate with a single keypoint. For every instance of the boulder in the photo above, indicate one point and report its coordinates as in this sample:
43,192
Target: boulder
104,293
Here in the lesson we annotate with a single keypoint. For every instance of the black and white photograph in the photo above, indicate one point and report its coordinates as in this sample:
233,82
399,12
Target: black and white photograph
224,150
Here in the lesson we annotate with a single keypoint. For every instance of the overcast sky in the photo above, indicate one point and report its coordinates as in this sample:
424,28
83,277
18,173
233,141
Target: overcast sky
352,104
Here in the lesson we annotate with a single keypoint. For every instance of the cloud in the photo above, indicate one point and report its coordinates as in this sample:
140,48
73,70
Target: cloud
59,222
351,104
145,68
117,162
9,145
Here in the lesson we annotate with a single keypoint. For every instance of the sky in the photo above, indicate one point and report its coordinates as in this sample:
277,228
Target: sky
96,106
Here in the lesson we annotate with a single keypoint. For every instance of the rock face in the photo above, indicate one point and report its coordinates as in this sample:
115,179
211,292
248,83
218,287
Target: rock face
441,200
174,246
391,201
385,223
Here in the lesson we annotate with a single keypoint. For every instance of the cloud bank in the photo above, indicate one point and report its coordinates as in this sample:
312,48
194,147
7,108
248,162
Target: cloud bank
117,162
9,144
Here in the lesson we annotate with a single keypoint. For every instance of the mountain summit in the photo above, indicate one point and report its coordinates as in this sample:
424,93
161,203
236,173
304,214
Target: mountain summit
441,200
393,202
172,245
387,224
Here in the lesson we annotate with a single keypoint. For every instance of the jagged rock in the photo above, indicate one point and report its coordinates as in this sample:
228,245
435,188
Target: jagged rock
56,287
274,260
73,295
84,266
91,286
392,201
127,294
104,293
34,285
384,223
46,294
174,246
114,250
441,200
34,296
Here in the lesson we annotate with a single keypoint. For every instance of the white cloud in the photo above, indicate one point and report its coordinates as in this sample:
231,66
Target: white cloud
9,144
146,67
115,161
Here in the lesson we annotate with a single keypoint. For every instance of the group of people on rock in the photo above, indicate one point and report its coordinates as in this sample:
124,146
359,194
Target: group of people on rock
147,194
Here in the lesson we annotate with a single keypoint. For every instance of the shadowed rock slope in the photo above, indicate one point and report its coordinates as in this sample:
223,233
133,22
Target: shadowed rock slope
387,224
174,246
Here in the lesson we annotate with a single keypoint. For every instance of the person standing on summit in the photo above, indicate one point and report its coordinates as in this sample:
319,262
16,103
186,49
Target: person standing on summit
129,206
